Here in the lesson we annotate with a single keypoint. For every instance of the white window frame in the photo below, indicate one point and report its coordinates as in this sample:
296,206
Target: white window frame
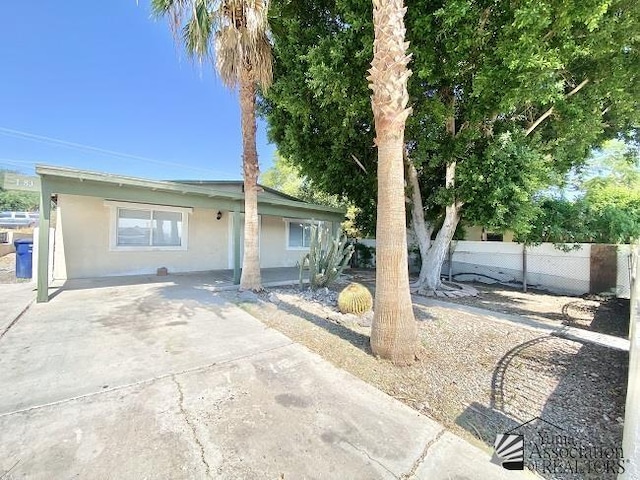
288,222
113,226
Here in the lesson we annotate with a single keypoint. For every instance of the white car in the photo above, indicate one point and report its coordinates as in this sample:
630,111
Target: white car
18,219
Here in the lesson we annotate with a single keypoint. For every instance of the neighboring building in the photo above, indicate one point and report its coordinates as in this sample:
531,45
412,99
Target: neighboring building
109,225
481,234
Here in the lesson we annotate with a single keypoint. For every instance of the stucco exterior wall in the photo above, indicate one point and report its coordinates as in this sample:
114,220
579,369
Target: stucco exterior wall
84,227
82,243
473,233
273,244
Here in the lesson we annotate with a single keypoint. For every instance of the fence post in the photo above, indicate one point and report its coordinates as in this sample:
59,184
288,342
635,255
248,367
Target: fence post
631,433
524,267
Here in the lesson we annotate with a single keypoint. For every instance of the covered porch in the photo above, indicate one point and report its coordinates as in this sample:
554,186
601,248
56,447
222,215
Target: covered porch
209,243
213,281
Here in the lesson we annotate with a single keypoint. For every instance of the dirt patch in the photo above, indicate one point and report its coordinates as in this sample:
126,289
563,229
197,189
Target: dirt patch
590,312
597,313
8,269
477,377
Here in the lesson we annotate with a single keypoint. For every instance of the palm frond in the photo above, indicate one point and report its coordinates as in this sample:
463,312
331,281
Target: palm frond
197,32
232,33
262,62
229,55
173,9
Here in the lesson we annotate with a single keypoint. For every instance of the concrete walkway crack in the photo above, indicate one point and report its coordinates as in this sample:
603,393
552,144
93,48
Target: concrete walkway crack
15,320
411,473
374,460
144,382
191,426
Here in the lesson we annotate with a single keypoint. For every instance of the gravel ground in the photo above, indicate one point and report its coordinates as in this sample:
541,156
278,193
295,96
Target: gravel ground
591,312
477,377
8,269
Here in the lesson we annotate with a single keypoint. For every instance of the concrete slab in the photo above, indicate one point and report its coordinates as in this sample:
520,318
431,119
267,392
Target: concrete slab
450,457
279,414
15,298
167,380
89,340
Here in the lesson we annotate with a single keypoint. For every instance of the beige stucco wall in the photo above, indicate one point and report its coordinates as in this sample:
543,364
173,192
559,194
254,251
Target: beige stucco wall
273,244
82,243
474,233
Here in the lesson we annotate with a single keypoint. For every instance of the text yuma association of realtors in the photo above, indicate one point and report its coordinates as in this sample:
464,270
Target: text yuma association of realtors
564,454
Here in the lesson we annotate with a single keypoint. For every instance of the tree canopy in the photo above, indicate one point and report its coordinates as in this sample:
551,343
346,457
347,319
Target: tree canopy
286,177
532,86
602,203
16,201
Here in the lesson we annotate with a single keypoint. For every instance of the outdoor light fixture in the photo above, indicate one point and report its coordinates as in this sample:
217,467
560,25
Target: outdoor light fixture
219,215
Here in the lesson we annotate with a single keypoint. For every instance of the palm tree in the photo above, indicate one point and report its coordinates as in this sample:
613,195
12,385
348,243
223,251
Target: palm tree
393,333
233,34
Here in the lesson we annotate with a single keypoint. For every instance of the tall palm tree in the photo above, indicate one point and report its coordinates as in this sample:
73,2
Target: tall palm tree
393,333
233,34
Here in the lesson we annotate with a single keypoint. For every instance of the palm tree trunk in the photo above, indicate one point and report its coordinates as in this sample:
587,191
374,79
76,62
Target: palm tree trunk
393,332
250,278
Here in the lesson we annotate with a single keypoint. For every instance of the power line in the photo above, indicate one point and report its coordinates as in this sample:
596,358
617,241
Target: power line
83,147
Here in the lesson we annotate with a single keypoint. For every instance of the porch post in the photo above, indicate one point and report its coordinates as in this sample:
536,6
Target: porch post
43,242
236,224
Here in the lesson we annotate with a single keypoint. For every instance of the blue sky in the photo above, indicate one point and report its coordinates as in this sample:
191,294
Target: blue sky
106,75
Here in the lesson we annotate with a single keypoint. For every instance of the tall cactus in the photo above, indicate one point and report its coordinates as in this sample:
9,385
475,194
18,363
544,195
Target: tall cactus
327,257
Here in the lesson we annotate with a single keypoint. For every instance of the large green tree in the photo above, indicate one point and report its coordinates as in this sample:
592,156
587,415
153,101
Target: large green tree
233,34
598,203
286,177
506,96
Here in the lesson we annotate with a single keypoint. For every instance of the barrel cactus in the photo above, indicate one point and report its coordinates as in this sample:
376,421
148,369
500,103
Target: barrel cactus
355,298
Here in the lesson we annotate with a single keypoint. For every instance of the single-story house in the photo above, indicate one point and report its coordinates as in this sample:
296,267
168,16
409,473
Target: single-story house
112,225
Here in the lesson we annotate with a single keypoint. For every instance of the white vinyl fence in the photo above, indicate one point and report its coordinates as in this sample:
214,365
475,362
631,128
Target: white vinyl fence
547,267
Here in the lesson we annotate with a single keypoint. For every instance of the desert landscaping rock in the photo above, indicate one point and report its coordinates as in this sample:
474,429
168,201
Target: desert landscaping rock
477,376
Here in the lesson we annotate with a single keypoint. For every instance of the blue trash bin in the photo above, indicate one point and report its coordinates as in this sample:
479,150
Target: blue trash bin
24,257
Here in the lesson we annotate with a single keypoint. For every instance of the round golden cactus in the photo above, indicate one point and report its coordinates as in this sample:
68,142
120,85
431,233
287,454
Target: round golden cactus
355,298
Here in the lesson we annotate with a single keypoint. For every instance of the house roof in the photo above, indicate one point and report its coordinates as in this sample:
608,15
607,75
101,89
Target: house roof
60,180
239,184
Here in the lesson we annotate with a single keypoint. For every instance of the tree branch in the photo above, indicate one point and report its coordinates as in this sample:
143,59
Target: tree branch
358,162
420,227
538,121
550,111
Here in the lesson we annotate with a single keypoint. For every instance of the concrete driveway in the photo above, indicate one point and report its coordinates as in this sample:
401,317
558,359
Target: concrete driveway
169,380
